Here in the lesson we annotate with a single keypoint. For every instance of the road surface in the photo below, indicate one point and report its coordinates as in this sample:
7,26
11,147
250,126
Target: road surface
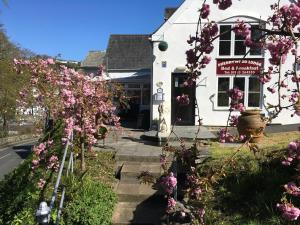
12,156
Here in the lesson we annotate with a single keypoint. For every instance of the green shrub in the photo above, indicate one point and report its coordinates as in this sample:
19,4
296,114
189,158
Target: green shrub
92,204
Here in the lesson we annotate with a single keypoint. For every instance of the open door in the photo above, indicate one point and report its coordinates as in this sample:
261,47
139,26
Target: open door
186,113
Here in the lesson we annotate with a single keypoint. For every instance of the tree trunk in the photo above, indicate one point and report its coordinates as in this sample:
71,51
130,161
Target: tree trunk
82,154
5,126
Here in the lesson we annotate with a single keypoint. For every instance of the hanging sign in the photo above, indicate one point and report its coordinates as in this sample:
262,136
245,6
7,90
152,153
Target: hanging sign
239,66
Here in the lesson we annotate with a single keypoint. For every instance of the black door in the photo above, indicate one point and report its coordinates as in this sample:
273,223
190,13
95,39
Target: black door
186,113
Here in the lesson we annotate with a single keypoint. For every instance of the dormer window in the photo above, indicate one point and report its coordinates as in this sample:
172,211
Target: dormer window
231,44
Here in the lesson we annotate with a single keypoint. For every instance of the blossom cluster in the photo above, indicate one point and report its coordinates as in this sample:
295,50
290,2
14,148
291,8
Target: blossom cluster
223,4
169,183
70,95
183,99
293,153
236,95
289,211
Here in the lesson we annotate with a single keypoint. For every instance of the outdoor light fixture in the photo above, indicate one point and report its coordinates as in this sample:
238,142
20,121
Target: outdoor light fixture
42,214
163,46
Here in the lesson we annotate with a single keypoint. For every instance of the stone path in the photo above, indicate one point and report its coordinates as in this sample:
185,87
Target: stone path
137,203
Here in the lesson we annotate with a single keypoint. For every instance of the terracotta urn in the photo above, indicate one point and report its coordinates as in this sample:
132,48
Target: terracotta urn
251,124
297,107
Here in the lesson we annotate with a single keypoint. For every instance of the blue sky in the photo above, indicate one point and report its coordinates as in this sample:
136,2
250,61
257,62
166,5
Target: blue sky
73,27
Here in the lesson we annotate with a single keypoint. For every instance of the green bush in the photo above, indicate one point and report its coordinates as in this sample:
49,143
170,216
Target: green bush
88,200
92,204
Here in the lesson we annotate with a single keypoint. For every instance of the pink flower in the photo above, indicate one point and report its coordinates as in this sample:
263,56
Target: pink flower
204,11
224,4
292,189
53,163
169,182
41,183
288,211
183,99
242,29
50,61
171,204
293,146
200,214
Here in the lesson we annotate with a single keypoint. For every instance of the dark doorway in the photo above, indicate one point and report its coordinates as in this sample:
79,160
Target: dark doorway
185,112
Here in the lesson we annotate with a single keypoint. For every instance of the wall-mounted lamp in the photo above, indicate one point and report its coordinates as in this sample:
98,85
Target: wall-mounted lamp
163,46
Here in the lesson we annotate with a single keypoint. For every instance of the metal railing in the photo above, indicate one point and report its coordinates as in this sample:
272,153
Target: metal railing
43,214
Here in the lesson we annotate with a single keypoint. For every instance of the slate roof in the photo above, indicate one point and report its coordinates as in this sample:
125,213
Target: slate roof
93,59
169,12
129,52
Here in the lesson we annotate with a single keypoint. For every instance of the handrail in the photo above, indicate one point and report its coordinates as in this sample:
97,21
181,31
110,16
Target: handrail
43,214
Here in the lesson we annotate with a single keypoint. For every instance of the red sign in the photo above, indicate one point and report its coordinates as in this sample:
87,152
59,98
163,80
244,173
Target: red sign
239,66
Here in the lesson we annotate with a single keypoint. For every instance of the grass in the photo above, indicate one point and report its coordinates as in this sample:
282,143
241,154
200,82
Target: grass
252,187
100,166
270,142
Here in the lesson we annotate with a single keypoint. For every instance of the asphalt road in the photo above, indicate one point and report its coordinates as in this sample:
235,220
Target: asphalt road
12,156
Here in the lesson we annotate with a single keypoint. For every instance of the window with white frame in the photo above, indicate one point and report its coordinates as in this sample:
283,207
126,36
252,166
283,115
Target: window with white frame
138,93
231,44
250,85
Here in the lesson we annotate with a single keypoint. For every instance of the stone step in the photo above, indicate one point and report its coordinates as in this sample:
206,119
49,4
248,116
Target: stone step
137,158
139,213
134,191
131,170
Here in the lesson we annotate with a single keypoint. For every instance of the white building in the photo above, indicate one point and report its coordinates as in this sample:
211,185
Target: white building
213,102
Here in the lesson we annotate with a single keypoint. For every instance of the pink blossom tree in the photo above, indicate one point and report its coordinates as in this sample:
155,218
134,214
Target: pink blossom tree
81,102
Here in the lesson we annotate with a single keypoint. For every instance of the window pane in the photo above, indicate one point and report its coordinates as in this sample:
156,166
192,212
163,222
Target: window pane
253,99
224,48
239,48
255,35
134,96
225,30
239,37
146,97
223,84
223,99
255,51
134,86
239,82
254,84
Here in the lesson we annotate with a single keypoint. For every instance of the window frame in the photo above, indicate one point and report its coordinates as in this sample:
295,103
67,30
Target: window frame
142,88
232,43
246,92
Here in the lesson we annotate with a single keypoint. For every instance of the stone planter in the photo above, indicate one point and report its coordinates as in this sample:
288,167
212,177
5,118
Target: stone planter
297,107
251,124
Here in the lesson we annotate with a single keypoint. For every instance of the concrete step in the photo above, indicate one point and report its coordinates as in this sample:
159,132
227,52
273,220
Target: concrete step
134,191
137,158
142,213
131,170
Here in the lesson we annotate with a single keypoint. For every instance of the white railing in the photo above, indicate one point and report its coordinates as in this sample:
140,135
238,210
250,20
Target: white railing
43,214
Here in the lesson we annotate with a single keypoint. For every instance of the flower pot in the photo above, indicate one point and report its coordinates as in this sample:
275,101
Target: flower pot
251,124
297,108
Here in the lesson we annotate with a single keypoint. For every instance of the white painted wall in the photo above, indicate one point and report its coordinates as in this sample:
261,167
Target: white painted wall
177,30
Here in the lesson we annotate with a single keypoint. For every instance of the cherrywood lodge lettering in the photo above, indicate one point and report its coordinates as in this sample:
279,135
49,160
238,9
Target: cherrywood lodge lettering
239,66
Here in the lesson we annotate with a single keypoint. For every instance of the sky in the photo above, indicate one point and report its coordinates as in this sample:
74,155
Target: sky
73,27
